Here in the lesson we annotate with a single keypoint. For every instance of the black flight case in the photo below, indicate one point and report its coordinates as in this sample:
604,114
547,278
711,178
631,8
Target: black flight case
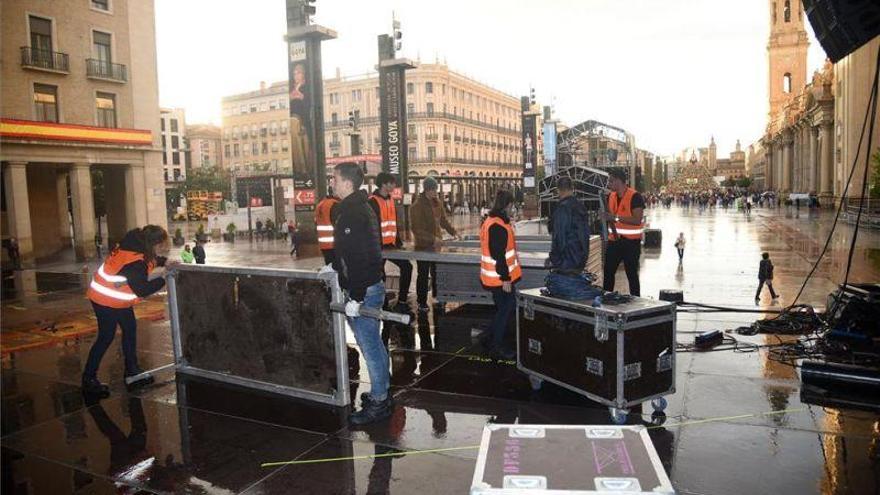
620,355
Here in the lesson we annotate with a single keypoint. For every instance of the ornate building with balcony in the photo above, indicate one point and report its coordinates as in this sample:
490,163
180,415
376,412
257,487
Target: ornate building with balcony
79,129
457,126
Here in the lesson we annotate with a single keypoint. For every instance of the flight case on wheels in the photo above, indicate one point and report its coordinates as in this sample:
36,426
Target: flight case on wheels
617,354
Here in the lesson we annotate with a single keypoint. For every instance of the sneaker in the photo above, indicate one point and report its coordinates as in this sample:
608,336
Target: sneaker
366,399
372,412
94,387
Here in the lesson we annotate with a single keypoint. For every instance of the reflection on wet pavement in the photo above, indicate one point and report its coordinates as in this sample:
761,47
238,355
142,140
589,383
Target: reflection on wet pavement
187,435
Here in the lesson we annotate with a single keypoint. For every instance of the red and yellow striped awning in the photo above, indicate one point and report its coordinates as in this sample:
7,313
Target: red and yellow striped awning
50,131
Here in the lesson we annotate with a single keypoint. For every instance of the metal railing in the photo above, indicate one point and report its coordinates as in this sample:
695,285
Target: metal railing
44,59
106,70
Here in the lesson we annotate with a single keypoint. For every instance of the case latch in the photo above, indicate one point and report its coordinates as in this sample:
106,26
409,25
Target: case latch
601,329
528,307
664,361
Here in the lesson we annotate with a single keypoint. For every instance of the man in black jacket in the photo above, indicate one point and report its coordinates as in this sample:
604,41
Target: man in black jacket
359,264
570,246
765,276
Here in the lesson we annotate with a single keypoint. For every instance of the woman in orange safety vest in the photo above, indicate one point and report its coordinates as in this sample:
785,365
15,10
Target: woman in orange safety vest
120,282
500,270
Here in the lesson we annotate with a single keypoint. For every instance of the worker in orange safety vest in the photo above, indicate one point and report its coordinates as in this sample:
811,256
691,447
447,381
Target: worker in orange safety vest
324,225
499,271
123,279
386,213
625,217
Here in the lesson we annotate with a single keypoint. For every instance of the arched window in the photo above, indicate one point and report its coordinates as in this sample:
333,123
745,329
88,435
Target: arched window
786,13
786,83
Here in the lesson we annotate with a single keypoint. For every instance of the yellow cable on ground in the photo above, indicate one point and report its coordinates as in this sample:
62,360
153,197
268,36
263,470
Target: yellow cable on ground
474,447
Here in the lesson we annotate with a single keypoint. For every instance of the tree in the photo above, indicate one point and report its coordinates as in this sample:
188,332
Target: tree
744,182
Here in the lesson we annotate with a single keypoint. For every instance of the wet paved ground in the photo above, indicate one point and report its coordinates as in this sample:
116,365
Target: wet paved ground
736,423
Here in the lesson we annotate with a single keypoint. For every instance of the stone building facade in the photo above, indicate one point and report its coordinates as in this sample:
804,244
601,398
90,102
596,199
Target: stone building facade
811,140
79,100
204,146
172,126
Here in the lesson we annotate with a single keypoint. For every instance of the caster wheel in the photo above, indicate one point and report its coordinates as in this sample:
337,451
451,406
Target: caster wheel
536,383
618,416
658,418
659,404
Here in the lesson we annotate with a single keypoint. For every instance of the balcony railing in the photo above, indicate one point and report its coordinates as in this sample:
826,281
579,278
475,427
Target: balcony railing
334,144
431,137
101,69
34,58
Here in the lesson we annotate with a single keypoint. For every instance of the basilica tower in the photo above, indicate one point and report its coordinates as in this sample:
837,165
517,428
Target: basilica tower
787,52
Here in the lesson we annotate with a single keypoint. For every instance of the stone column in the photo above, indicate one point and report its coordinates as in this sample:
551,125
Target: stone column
83,210
826,162
768,166
814,159
18,212
63,216
136,206
787,152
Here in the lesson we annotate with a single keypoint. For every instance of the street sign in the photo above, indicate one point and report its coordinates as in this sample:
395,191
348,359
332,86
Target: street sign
303,184
304,197
304,208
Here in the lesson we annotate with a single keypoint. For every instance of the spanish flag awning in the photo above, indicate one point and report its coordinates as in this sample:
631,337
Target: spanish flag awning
50,131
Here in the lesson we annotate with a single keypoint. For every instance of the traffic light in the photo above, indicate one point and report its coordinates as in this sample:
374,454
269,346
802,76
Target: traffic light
309,7
396,35
351,120
532,96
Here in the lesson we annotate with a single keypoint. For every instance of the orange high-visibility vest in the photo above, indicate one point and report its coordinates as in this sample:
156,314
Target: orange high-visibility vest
323,222
387,219
488,275
110,289
623,208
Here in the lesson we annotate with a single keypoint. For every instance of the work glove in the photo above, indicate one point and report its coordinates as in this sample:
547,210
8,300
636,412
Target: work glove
328,268
352,309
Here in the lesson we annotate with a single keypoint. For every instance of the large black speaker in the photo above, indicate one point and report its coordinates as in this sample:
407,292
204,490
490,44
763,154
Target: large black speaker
842,26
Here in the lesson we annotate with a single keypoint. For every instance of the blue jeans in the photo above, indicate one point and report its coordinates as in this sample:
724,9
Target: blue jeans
369,339
505,305
575,287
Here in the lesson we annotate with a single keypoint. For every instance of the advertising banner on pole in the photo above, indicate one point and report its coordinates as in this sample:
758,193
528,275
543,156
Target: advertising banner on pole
392,81
529,149
549,148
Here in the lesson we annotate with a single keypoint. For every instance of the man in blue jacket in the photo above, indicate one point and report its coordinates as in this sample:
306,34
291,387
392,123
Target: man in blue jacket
570,247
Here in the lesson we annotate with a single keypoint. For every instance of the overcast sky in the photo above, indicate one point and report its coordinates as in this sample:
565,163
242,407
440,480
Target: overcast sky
672,72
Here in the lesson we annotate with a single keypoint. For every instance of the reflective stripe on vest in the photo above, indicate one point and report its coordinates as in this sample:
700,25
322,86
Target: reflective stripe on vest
387,219
324,224
489,276
110,289
623,208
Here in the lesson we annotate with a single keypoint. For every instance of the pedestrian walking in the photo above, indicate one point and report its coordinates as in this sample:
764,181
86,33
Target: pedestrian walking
765,276
500,270
292,233
427,218
126,276
625,214
199,252
186,255
358,260
679,246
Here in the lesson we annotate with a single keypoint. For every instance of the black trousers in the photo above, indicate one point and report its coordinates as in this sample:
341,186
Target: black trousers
627,251
425,269
761,283
406,270
329,255
108,320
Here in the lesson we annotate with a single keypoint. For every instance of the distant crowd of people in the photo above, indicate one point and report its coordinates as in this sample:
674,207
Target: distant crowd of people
740,200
